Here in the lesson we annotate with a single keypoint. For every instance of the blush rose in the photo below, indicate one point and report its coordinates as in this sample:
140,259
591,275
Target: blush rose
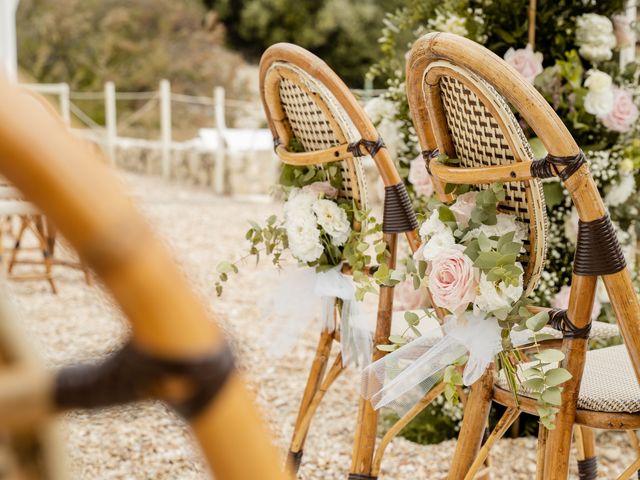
624,113
527,62
420,178
452,281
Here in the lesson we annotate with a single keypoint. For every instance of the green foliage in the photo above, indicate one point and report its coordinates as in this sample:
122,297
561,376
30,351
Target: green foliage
133,43
343,33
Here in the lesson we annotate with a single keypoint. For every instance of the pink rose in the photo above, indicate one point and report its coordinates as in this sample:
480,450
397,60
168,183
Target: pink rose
623,31
561,300
527,62
452,282
323,188
420,178
624,112
462,208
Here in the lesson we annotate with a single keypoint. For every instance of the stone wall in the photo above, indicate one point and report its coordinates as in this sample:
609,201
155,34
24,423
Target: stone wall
246,173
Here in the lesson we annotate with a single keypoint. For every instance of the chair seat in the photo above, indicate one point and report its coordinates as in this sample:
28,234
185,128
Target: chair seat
17,207
608,383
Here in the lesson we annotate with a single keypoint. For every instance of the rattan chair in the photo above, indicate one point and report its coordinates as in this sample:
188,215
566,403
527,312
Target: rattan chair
304,99
461,98
31,221
176,352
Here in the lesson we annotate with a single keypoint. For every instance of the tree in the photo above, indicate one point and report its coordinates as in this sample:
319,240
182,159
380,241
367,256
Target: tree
343,33
134,43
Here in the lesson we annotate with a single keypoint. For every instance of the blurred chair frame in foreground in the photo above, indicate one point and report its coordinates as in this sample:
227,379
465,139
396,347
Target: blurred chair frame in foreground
456,89
176,352
305,99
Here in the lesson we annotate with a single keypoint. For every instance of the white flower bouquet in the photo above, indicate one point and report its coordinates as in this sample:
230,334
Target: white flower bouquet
321,231
469,263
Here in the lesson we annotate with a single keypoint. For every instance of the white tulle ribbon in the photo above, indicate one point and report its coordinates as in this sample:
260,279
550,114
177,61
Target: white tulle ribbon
399,380
294,307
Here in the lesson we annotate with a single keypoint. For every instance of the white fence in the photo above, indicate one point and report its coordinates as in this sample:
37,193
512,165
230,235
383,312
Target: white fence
217,140
229,160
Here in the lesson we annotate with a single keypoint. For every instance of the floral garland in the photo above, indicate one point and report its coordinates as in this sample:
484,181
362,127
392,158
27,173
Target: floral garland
468,262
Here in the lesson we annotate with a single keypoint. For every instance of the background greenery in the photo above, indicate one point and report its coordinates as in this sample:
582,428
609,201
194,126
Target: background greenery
344,33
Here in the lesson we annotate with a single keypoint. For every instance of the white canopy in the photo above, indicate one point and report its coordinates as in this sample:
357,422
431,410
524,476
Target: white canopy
8,47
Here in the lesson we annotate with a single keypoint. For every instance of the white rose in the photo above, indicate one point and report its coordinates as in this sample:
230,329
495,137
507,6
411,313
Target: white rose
304,239
382,113
599,100
594,35
496,297
299,203
595,53
439,242
620,192
432,225
598,82
333,219
449,22
505,223
571,226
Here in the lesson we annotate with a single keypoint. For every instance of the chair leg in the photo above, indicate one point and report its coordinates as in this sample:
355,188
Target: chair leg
24,223
633,439
558,449
298,439
400,424
367,424
316,374
586,453
507,419
542,444
476,414
47,251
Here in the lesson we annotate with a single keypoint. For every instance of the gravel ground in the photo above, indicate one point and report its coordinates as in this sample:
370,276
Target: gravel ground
147,441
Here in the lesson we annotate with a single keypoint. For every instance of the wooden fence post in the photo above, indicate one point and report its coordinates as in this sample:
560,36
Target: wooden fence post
65,105
165,126
219,171
110,120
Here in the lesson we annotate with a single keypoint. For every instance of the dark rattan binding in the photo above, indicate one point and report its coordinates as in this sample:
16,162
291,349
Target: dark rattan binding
428,155
130,375
588,468
559,320
548,166
293,461
361,476
598,251
399,216
370,146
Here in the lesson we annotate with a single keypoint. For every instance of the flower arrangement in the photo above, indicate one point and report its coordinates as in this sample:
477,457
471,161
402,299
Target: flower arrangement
583,64
322,231
316,229
469,263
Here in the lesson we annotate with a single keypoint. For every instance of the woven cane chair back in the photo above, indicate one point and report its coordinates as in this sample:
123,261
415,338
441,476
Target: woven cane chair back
307,111
477,126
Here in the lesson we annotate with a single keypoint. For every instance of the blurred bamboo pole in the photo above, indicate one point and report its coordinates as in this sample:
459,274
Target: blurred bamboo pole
532,24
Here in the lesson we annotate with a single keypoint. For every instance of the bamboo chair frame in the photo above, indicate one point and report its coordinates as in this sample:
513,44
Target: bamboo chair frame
294,65
31,220
565,160
173,334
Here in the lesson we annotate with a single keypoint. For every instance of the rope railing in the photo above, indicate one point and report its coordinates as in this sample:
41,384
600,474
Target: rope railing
110,135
